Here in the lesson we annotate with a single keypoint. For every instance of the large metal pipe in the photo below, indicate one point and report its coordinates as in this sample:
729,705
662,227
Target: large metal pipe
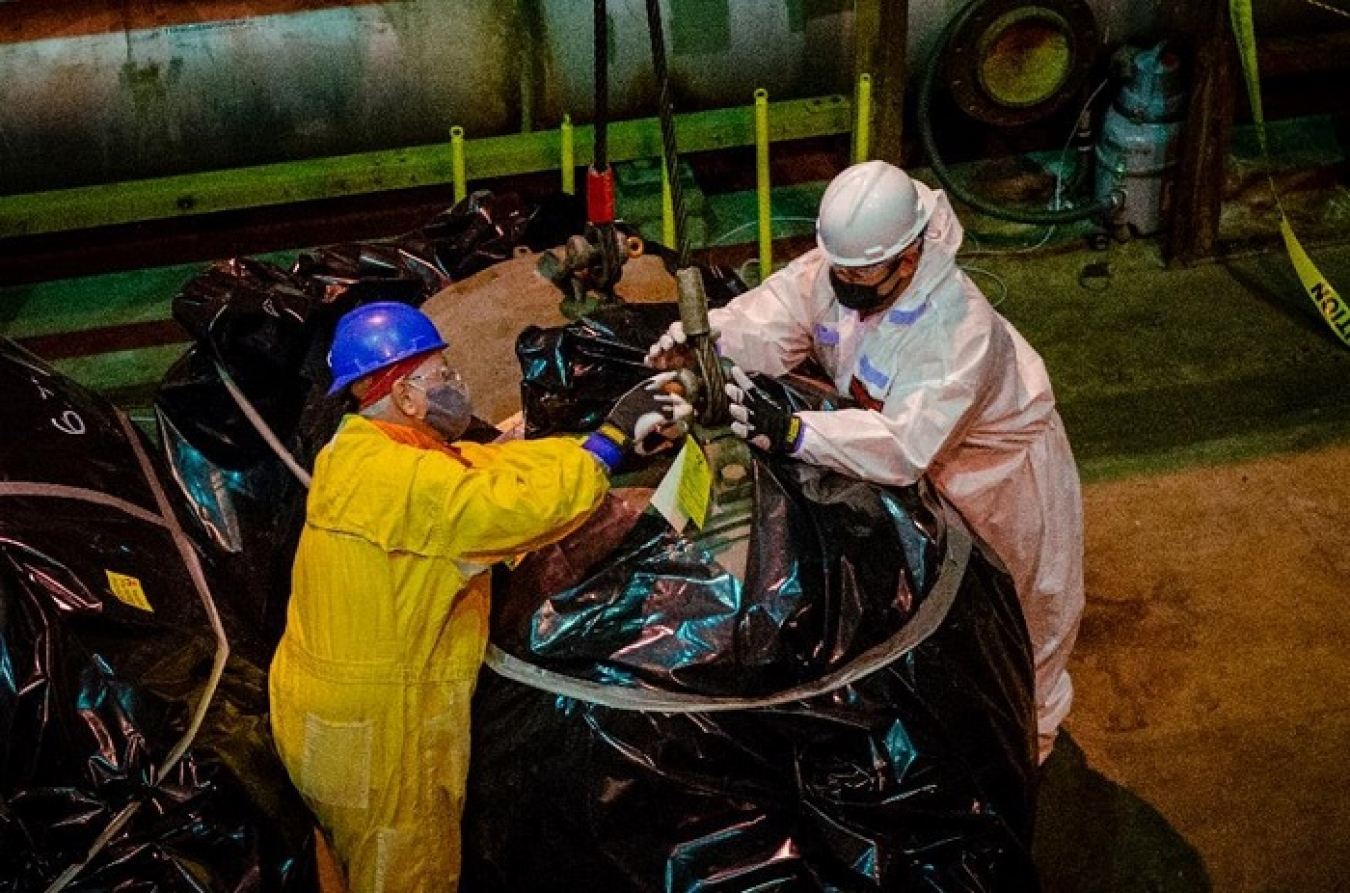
113,91
99,91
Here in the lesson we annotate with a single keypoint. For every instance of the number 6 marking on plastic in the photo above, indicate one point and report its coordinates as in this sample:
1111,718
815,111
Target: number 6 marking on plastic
69,422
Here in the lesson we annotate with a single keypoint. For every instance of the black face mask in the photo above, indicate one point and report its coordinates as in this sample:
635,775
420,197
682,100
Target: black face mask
868,298
858,297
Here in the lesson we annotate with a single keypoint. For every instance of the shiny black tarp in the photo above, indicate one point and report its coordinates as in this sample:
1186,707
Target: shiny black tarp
915,776
571,375
270,328
105,652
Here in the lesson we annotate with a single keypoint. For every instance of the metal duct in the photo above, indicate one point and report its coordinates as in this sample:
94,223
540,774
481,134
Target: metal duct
102,90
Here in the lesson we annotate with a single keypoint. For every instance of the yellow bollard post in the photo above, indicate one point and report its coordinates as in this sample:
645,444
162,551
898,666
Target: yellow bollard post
762,185
569,163
862,126
668,237
457,163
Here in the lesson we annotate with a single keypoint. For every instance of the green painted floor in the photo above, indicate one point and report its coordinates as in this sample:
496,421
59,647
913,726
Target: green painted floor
1160,368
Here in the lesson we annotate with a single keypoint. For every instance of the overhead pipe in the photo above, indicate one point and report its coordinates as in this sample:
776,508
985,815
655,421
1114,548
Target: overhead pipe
131,91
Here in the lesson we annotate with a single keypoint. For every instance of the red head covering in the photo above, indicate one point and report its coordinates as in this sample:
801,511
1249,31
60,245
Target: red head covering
382,381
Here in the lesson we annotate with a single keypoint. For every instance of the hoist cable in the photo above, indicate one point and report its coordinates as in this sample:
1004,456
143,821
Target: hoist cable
672,163
601,87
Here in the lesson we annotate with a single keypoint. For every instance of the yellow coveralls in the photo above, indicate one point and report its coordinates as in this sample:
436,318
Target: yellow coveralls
387,625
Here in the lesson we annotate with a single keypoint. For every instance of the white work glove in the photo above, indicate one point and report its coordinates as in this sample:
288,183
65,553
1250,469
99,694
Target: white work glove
759,419
672,350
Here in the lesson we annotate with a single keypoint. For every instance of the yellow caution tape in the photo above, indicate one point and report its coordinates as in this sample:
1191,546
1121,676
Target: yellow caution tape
1325,297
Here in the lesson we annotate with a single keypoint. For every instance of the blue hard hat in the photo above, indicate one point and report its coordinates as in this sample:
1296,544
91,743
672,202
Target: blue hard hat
377,335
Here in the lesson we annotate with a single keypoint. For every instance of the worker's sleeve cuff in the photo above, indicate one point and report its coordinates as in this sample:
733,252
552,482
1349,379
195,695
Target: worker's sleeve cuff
794,435
607,445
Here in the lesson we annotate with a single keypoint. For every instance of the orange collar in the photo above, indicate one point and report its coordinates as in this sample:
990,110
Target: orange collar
410,436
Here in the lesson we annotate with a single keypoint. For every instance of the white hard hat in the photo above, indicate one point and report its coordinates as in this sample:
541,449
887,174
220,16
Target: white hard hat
869,213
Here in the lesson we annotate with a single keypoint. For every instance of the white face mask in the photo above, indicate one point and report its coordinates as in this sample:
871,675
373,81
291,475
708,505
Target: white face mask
449,409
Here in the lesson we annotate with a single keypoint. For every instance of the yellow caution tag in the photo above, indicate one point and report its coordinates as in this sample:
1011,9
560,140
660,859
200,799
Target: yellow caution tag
1328,301
695,483
128,590
685,491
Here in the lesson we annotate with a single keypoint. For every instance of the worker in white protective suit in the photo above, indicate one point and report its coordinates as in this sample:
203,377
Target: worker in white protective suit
388,617
944,386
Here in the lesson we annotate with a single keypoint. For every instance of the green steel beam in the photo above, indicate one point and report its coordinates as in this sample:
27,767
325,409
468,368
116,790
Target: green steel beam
486,158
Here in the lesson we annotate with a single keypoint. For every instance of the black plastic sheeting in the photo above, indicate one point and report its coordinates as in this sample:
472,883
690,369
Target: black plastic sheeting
917,775
106,649
96,690
572,375
271,327
105,645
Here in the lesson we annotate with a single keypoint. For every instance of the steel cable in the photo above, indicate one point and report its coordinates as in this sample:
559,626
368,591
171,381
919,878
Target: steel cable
601,87
666,111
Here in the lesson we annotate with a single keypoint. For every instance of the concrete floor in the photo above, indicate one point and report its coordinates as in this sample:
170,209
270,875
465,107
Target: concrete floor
1206,746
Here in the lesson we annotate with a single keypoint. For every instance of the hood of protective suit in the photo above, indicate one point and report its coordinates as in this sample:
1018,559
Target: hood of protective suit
942,238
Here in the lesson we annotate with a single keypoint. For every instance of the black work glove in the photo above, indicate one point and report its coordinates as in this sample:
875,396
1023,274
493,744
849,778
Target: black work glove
640,421
759,419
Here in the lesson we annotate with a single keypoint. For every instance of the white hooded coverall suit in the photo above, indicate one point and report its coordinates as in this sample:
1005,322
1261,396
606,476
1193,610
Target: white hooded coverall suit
960,396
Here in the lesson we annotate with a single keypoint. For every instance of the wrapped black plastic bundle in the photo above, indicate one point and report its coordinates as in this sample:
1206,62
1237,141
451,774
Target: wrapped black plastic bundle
572,375
827,687
258,323
257,365
480,230
134,751
270,329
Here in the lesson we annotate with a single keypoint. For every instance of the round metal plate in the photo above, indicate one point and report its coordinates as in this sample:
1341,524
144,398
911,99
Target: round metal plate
1011,63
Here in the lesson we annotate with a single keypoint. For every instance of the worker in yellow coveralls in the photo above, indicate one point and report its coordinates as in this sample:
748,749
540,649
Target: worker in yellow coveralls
388,617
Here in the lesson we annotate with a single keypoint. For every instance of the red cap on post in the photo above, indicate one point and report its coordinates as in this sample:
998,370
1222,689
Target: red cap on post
600,195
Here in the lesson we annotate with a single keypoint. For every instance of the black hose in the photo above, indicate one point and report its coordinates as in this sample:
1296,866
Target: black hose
944,174
601,87
668,132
